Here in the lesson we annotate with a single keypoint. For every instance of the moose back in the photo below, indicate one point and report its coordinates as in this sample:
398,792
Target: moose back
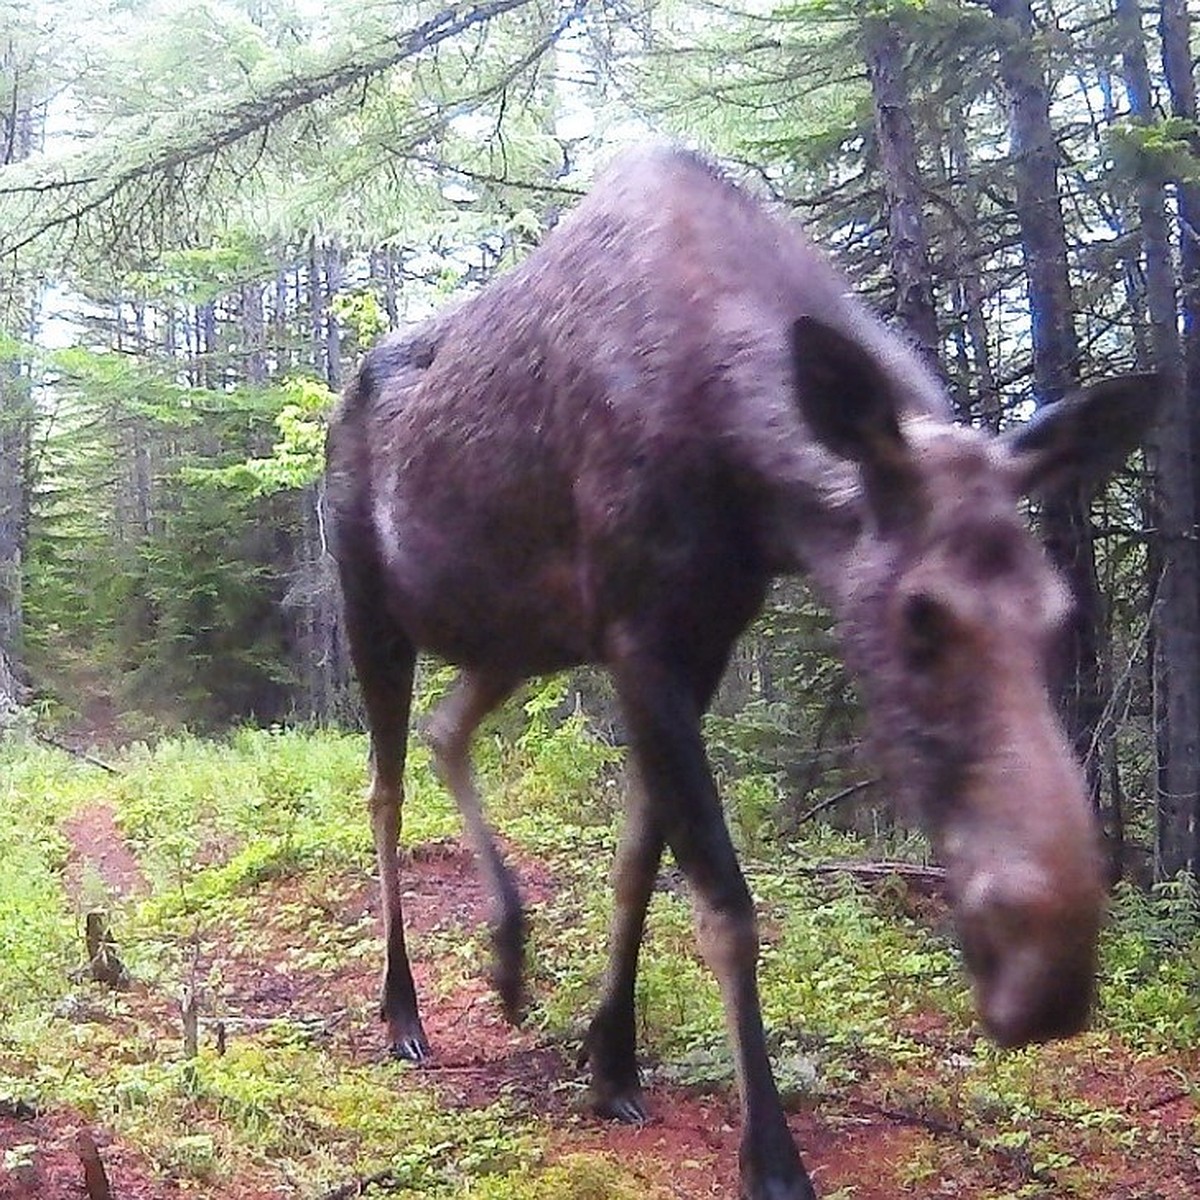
604,457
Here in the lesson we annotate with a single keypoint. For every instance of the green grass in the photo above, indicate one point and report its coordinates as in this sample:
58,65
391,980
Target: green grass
255,849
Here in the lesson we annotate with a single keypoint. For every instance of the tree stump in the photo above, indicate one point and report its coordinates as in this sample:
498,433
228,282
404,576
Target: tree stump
105,966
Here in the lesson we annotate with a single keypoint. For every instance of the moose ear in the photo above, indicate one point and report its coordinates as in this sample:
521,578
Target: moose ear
1086,436
849,405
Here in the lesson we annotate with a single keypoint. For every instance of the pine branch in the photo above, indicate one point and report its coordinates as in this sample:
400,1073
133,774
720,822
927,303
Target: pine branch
194,141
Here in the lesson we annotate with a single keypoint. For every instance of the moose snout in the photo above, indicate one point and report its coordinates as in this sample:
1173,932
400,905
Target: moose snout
1029,943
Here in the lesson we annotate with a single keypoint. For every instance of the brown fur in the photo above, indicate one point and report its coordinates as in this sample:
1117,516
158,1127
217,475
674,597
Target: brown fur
603,458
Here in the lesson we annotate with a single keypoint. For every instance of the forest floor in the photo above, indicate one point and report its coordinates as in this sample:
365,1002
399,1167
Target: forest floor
855,1145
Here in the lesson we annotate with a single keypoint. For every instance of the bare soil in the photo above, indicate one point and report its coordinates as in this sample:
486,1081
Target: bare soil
852,1141
99,853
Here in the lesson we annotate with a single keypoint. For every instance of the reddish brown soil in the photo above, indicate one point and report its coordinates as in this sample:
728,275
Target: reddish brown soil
99,852
858,1140
56,1170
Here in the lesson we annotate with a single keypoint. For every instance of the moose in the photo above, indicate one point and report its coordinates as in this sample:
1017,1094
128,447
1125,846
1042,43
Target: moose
604,457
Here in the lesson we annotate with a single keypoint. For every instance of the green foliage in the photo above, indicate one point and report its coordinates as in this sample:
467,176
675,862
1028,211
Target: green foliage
210,823
298,456
36,928
753,803
209,817
1157,153
557,761
200,623
139,569
362,314
201,274
577,1177
784,726
1151,965
256,851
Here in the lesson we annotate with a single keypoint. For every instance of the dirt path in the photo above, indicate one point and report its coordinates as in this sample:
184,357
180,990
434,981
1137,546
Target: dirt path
689,1149
99,857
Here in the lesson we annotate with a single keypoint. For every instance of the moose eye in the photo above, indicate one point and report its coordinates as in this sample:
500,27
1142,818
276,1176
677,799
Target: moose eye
925,627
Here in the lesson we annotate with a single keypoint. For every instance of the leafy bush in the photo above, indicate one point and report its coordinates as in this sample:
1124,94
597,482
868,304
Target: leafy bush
37,930
1150,972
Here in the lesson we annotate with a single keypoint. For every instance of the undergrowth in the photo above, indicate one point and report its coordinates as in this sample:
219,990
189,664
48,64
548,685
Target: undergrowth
258,846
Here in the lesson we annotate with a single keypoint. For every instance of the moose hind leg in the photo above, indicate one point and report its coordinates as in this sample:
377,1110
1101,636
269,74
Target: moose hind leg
450,731
610,1045
664,726
384,660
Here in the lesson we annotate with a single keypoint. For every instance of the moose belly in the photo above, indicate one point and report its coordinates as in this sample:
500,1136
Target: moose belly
503,608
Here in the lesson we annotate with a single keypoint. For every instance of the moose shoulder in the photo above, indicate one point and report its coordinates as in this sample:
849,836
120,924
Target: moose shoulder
604,457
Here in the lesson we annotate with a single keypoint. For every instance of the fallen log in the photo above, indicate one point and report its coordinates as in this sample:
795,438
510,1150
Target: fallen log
933,878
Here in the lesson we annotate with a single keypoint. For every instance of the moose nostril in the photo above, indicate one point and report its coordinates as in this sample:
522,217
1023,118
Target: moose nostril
1012,1024
1036,997
1030,947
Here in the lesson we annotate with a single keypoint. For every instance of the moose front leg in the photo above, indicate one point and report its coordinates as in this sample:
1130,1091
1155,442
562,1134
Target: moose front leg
664,726
610,1047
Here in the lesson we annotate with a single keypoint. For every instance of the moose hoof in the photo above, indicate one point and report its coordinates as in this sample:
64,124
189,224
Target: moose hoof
508,967
410,1049
781,1189
778,1187
616,1090
626,1107
407,1040
771,1168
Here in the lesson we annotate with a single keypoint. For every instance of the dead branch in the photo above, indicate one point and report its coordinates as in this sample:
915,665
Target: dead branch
836,798
90,759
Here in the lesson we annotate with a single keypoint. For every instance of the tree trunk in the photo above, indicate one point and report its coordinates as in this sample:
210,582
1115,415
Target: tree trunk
208,341
1177,609
387,272
333,331
21,117
20,121
1066,526
1175,27
253,334
968,290
138,437
15,417
280,327
322,663
317,310
908,242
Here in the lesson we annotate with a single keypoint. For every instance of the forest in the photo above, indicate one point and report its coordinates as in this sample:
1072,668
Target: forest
209,210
